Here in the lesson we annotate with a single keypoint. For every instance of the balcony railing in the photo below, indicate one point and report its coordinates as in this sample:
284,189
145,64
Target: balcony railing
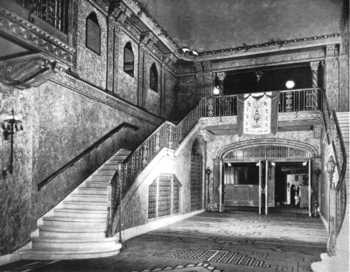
53,12
299,100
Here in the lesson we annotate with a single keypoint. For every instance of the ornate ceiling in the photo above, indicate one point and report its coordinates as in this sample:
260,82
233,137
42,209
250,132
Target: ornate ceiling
207,25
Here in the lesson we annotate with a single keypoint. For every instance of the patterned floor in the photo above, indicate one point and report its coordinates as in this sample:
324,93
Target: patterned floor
230,242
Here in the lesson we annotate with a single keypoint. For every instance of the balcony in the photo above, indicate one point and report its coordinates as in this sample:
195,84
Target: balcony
53,12
298,100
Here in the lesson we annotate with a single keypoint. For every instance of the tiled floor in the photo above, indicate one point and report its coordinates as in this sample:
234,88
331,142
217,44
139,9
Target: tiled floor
237,241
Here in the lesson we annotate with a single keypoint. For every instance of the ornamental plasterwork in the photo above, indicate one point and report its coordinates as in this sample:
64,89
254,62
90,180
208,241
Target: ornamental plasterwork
28,71
20,28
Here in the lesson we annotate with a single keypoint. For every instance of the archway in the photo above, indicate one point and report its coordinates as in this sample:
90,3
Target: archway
249,174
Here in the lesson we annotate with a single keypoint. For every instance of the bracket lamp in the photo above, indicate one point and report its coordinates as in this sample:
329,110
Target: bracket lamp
10,124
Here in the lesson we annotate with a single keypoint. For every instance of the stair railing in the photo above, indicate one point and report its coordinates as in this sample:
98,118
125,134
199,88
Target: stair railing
335,139
170,135
84,153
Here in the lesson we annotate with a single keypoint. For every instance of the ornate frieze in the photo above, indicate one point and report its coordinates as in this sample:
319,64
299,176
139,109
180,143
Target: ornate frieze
21,29
269,44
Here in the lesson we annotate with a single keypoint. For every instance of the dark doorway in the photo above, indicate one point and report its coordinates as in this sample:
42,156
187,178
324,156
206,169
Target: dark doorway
291,185
196,177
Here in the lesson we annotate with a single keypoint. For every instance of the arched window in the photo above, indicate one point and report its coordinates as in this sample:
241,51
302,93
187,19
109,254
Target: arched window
93,33
128,59
153,78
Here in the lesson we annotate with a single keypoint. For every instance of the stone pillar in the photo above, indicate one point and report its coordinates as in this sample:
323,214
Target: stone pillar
331,75
162,89
205,79
111,54
141,74
214,186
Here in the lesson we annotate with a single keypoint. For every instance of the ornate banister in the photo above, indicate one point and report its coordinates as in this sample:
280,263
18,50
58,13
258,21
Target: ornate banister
84,153
335,140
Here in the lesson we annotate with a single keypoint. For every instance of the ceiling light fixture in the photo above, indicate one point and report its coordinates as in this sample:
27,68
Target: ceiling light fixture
290,84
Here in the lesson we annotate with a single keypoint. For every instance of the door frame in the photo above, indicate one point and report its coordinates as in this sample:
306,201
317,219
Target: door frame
259,163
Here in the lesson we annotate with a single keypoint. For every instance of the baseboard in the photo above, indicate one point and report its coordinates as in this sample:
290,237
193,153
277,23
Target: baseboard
156,224
14,256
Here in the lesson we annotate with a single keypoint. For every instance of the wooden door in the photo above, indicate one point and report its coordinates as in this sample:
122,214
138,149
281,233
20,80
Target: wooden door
196,182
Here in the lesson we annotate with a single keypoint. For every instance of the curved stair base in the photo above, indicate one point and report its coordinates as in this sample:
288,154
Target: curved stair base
76,227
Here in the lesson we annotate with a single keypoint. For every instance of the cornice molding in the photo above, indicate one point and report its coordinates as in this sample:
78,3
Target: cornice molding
97,94
270,47
21,29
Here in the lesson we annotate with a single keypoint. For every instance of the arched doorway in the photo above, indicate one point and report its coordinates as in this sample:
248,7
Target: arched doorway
196,177
266,173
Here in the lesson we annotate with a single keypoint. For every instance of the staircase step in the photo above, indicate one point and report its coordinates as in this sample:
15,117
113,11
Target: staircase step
62,233
77,228
70,254
81,205
78,213
73,244
75,219
87,198
64,222
91,190
105,172
95,184
100,178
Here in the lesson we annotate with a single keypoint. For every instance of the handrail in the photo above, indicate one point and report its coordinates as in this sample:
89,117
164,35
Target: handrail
85,152
335,139
341,181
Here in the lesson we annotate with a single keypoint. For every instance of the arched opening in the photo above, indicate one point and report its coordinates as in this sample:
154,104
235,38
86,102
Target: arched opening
196,177
128,59
267,175
93,33
153,78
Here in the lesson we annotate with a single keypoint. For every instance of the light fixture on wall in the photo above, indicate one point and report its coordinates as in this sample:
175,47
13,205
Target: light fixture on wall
10,124
191,52
290,84
216,90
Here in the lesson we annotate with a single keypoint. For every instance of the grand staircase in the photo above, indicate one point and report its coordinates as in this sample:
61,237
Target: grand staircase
340,262
76,228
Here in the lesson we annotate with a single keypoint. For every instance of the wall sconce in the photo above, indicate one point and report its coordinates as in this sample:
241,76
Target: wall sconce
216,90
10,124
